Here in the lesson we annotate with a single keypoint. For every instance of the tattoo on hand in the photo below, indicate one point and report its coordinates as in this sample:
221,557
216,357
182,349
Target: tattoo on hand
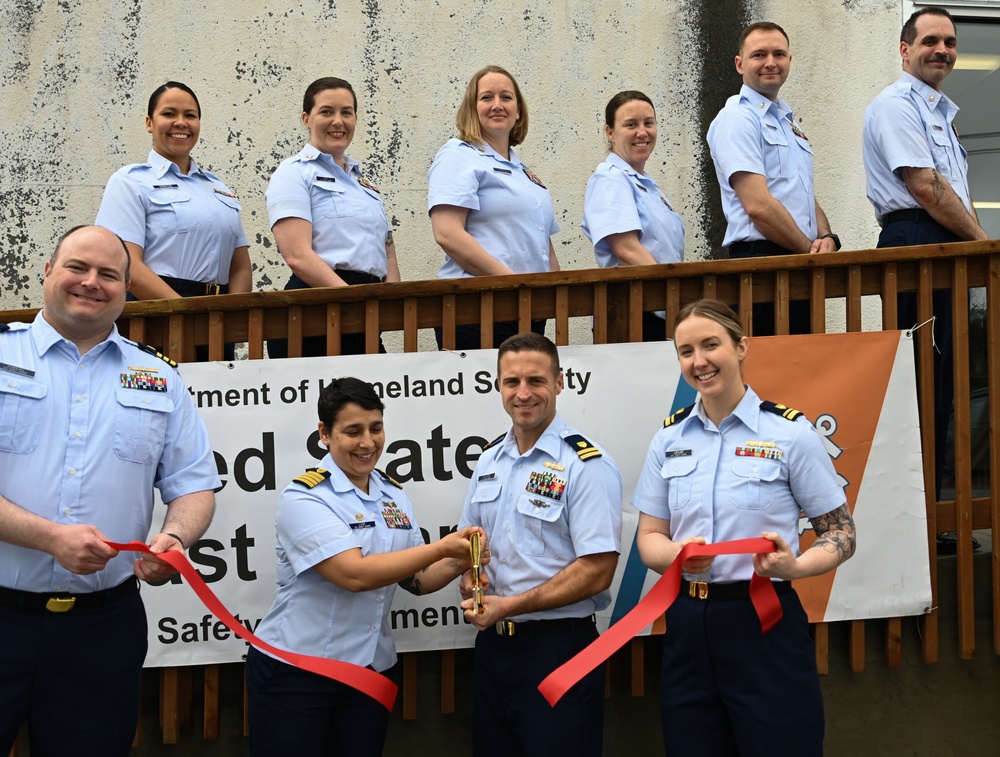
835,533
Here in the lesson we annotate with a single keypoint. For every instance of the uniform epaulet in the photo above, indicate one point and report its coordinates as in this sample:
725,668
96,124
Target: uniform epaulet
4,327
153,351
785,412
388,479
584,449
680,415
312,477
495,441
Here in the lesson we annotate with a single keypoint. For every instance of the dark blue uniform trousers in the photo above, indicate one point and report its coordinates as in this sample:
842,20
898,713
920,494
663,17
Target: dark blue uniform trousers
726,690
511,717
74,677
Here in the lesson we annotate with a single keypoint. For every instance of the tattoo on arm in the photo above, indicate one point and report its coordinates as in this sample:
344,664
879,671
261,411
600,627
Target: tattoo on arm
937,185
835,532
388,239
412,583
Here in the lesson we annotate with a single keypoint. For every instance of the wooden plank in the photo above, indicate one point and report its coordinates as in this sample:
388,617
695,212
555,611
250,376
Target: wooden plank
963,459
817,301
746,302
673,304
210,729
448,681
710,287
448,321
216,336
601,313
857,653
782,322
411,332
409,685
295,331
523,310
184,699
562,316
894,642
635,311
255,333
853,298
137,329
638,650
372,333
993,383
486,321
333,329
890,311
821,640
169,712
178,346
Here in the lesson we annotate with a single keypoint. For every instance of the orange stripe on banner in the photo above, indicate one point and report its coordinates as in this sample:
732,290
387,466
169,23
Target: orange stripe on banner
654,604
365,680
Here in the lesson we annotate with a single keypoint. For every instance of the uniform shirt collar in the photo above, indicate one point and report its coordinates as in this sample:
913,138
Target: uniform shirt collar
619,162
485,150
46,337
550,442
747,411
162,166
342,484
762,105
930,97
309,153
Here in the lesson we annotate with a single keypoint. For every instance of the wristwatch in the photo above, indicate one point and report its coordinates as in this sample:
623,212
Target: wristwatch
834,237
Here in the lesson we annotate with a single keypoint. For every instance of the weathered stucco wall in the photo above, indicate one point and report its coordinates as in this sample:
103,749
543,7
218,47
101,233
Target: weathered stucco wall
75,76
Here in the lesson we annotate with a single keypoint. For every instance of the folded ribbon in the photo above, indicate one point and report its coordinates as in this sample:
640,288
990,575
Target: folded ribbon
655,603
365,680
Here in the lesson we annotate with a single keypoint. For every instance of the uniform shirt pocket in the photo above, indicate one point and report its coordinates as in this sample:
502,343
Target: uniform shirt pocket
170,210
230,217
678,475
330,200
541,529
777,157
21,414
943,152
754,482
141,425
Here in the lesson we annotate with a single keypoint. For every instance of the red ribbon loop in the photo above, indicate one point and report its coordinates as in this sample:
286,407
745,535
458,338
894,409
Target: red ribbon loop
654,604
365,680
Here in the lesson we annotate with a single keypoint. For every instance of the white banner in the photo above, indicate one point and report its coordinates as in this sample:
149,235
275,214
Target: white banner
441,408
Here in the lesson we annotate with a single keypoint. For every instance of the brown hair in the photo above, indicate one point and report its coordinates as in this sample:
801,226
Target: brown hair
321,85
467,118
530,342
714,310
760,26
909,31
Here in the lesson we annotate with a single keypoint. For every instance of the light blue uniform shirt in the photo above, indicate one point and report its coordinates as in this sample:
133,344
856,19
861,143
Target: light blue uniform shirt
696,478
313,616
542,510
187,226
620,199
909,124
755,135
349,225
510,215
83,440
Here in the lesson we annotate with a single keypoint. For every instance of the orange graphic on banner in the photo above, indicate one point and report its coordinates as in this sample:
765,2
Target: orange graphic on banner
818,375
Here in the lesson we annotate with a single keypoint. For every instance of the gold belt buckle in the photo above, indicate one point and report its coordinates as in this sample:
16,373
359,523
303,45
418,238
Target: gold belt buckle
60,604
212,289
505,627
698,589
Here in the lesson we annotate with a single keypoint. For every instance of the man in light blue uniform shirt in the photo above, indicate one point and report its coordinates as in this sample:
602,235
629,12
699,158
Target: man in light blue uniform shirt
550,503
764,165
90,423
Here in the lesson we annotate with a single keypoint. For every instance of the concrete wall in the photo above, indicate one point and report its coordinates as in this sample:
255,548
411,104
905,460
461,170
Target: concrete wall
75,76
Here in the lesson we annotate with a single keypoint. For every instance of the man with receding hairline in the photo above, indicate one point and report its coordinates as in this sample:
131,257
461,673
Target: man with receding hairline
764,165
90,423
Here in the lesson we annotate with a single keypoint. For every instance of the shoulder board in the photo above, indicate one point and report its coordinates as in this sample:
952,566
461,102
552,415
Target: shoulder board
680,415
388,479
584,449
495,441
312,477
156,353
785,412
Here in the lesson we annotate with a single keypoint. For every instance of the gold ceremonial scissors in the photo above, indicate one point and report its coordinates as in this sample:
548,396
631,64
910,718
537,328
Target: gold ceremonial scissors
475,548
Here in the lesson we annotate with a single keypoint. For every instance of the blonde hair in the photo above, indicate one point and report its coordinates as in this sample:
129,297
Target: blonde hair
714,310
467,118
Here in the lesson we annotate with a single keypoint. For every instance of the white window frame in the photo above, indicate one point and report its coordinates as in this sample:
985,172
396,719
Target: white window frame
986,9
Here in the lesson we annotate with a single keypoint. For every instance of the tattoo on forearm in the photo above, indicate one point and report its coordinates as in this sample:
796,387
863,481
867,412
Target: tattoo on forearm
835,533
937,186
412,583
388,239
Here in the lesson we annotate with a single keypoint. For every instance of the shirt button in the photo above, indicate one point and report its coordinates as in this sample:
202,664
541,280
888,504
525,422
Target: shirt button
13,384
76,434
756,469
503,560
68,511
72,471
79,398
146,401
374,629
378,597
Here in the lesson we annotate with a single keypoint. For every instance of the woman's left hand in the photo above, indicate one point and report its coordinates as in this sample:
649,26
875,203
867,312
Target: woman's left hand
778,564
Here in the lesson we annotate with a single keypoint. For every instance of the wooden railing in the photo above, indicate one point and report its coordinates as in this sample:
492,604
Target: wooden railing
866,282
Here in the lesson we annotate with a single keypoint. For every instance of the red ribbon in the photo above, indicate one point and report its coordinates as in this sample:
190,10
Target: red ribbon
654,604
365,680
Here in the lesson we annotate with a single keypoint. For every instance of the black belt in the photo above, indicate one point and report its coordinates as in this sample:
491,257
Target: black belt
64,601
353,278
188,288
909,214
734,590
531,628
757,249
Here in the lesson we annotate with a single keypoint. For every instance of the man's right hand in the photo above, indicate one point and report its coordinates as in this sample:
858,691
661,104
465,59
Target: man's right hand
81,549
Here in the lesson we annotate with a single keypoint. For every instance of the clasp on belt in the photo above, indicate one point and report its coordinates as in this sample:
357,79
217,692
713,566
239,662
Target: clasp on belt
505,627
698,589
60,604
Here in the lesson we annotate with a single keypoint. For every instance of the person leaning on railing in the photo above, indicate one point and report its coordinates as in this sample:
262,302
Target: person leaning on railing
490,214
328,220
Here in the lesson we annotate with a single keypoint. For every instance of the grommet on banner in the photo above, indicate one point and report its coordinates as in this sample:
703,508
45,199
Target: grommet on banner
930,320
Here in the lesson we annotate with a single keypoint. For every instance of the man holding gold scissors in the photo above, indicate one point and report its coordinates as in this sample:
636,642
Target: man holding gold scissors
550,501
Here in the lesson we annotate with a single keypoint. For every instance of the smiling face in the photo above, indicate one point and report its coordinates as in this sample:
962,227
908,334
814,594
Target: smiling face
355,439
931,56
634,134
496,105
710,362
529,383
175,126
764,61
84,286
332,122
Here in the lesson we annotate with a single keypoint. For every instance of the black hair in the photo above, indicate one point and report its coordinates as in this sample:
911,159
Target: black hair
909,32
342,391
155,97
321,85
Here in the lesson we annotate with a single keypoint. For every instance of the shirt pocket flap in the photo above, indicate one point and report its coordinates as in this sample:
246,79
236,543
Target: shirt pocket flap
540,508
756,468
168,196
329,186
145,400
773,136
24,388
678,466
487,492
231,202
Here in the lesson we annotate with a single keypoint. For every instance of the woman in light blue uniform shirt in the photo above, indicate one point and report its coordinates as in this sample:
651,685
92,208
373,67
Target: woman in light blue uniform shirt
626,215
346,535
328,220
733,467
490,214
180,223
